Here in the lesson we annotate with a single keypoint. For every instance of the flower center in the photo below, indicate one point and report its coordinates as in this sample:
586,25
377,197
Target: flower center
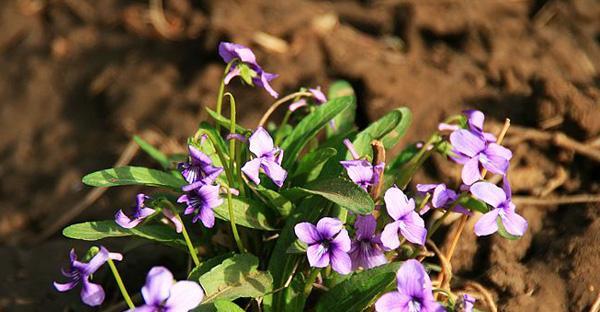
414,306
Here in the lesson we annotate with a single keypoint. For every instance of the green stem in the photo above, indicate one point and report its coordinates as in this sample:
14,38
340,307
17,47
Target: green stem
415,162
236,235
238,160
124,292
222,90
189,244
309,282
424,202
279,133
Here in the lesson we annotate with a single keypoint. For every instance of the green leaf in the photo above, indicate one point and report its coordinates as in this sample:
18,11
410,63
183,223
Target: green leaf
388,129
133,176
358,291
276,200
314,161
96,230
338,190
218,306
153,152
310,125
473,204
247,212
247,73
236,277
208,265
502,231
297,247
345,120
393,137
225,122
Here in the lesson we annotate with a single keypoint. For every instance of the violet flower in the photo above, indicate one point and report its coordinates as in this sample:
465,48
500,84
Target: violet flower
140,212
472,150
268,158
162,294
441,197
465,303
199,168
317,94
201,201
366,250
91,294
503,209
406,220
230,51
360,171
328,243
475,121
414,291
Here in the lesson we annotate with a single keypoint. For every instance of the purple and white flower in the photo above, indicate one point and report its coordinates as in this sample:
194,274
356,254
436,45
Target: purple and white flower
441,197
328,243
162,293
201,201
503,209
140,212
472,150
407,222
361,171
366,250
268,158
230,51
414,291
79,272
199,168
317,94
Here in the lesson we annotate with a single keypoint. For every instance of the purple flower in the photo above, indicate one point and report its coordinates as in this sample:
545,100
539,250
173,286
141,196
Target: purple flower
201,201
360,171
140,212
91,294
328,243
441,197
503,207
471,150
475,121
465,303
199,168
230,51
319,96
406,221
414,292
366,250
162,294
268,158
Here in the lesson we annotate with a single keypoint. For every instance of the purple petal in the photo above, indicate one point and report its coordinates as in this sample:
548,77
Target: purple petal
397,204
261,142
95,263
466,142
412,279
158,284
424,188
359,171
207,216
91,294
329,227
470,171
307,233
62,287
274,171
366,254
185,295
475,119
228,51
210,196
494,164
441,196
389,236
513,223
506,188
392,302
252,169
263,81
174,219
124,221
489,193
318,256
300,103
342,241
351,149
487,224
365,226
198,157
235,71
498,150
318,95
340,261
447,127
413,229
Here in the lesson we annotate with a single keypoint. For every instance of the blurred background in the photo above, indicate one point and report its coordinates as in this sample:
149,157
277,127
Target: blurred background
78,78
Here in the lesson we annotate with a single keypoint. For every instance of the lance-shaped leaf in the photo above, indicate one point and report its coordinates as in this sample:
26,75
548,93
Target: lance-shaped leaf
218,306
359,290
338,190
236,277
226,122
345,120
96,230
310,125
131,175
276,200
313,161
246,212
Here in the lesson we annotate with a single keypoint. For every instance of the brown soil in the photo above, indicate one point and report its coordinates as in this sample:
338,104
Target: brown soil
79,77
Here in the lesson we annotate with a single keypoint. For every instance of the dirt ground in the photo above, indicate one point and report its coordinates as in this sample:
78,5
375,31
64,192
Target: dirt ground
79,77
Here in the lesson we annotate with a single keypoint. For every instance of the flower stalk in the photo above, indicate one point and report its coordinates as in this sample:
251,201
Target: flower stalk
119,281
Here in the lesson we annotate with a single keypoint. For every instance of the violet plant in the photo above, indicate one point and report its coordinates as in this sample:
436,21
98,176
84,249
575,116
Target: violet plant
319,218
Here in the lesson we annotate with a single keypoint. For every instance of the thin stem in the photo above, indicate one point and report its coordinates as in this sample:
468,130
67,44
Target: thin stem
279,133
189,244
238,160
499,141
413,164
122,288
275,105
378,158
222,90
236,235
424,202
309,282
